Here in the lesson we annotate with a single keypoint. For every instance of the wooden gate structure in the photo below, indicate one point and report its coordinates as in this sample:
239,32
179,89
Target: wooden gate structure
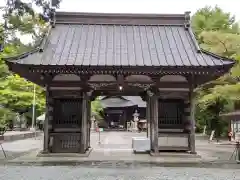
85,55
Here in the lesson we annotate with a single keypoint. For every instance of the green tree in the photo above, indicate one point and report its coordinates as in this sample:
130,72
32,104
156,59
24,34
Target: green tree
21,19
96,108
223,44
217,32
213,19
17,95
6,116
226,45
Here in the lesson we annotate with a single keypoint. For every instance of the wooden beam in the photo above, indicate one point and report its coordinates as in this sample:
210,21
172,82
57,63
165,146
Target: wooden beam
68,84
34,74
67,93
129,70
114,93
86,85
120,79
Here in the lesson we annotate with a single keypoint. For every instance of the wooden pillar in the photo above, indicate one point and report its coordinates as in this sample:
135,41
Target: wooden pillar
89,123
151,122
84,123
153,110
192,120
148,116
125,119
155,123
48,121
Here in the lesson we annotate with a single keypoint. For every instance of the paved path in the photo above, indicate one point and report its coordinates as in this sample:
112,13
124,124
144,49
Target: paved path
117,146
116,142
112,144
115,173
11,133
19,135
20,147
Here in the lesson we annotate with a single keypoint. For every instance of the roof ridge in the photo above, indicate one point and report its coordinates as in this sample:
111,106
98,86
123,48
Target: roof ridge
45,38
68,13
121,18
193,38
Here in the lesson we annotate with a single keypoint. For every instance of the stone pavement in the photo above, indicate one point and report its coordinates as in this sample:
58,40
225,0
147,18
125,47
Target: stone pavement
114,142
19,135
17,148
115,148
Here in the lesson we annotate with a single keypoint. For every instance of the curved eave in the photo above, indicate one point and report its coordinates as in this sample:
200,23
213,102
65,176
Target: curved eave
37,49
120,105
235,115
107,97
16,59
228,61
207,70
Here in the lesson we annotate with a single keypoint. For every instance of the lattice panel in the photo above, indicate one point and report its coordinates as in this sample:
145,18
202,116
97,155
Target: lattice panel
67,113
67,142
170,113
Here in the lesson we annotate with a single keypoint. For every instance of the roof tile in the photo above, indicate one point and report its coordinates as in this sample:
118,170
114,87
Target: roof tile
121,45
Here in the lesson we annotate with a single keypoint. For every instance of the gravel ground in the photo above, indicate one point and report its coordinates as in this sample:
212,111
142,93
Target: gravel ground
89,173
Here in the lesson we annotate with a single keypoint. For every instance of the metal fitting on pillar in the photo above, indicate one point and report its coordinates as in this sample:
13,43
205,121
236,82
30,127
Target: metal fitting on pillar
149,93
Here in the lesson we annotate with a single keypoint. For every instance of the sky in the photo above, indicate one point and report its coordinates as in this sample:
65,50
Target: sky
146,6
143,6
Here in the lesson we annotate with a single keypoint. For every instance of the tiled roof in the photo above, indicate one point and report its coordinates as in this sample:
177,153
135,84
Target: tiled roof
136,100
234,113
124,101
81,44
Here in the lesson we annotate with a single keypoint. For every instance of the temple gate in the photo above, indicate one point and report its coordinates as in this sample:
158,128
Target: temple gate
85,55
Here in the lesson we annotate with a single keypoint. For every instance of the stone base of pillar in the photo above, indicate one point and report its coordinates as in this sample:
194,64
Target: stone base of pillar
192,144
153,153
193,152
44,152
85,154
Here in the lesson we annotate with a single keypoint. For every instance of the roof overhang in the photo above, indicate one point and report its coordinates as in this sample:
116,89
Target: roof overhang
163,44
122,101
235,115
